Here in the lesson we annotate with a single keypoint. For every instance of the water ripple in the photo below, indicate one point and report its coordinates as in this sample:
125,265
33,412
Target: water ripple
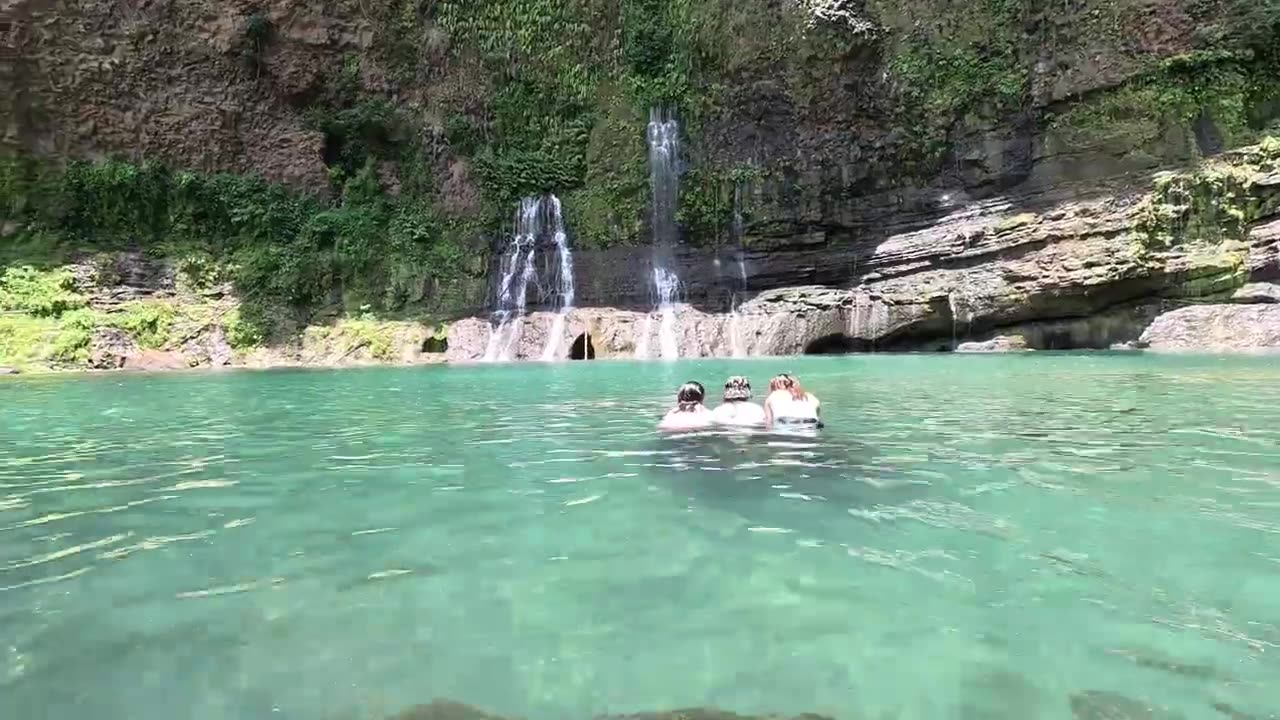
522,538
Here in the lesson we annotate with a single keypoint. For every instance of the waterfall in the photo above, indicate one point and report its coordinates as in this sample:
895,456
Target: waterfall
737,343
642,341
668,286
564,284
956,306
664,182
516,272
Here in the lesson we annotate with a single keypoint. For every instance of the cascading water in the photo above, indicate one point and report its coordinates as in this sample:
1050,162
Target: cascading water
668,287
737,343
956,305
516,272
564,284
664,182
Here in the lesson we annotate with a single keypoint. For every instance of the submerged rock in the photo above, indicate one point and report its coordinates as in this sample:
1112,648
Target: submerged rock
443,710
706,714
1216,328
1107,705
1235,714
999,343
450,710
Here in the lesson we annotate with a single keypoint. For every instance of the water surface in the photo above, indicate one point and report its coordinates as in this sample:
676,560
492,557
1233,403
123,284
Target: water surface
971,537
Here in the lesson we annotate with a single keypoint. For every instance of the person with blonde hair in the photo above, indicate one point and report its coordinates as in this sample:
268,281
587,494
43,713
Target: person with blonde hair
737,408
790,405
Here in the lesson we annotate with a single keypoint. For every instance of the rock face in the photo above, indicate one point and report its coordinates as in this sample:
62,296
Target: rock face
209,347
113,349
1257,293
873,201
152,360
1216,328
1000,343
1062,270
8,371
109,349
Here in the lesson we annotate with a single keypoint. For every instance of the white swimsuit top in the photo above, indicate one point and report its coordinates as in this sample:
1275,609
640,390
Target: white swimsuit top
785,406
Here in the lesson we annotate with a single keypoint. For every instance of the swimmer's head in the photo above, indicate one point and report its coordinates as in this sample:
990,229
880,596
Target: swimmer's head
787,382
690,395
737,389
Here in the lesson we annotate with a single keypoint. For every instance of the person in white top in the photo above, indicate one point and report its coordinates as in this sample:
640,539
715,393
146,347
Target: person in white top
737,408
790,405
689,412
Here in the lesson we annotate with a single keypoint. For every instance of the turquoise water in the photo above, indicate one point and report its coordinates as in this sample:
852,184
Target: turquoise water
971,537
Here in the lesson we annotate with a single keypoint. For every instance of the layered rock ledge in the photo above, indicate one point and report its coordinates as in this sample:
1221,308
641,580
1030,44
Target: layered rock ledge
1162,262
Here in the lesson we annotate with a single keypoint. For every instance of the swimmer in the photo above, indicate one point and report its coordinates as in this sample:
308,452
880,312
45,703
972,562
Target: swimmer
790,406
689,412
738,408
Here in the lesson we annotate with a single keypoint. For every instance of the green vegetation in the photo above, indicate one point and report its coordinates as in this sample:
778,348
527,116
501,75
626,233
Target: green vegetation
362,336
973,64
1230,88
572,82
706,202
241,335
43,294
75,333
1211,205
258,30
460,108
23,340
149,323
279,248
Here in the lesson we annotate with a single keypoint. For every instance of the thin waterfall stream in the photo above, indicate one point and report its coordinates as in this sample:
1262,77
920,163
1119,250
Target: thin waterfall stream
564,281
664,179
737,343
537,219
517,270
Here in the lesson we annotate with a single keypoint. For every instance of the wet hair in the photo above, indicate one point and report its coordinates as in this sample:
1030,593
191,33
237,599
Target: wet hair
737,389
690,396
790,383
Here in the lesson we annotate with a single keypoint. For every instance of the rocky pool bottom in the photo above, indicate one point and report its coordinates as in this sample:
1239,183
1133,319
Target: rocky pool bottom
1016,536
1089,705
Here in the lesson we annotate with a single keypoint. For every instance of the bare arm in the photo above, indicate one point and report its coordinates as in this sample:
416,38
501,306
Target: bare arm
768,412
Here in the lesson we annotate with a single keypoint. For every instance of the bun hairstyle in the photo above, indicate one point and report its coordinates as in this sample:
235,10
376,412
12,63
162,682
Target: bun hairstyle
789,383
737,389
690,396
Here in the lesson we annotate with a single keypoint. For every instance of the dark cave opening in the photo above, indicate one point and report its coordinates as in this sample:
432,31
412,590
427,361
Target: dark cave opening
836,344
435,345
582,348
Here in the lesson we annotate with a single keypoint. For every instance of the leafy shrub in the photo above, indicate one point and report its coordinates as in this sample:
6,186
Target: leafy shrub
148,322
75,331
23,339
241,335
39,293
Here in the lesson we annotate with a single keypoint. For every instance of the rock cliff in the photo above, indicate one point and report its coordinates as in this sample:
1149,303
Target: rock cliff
1074,267
857,174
